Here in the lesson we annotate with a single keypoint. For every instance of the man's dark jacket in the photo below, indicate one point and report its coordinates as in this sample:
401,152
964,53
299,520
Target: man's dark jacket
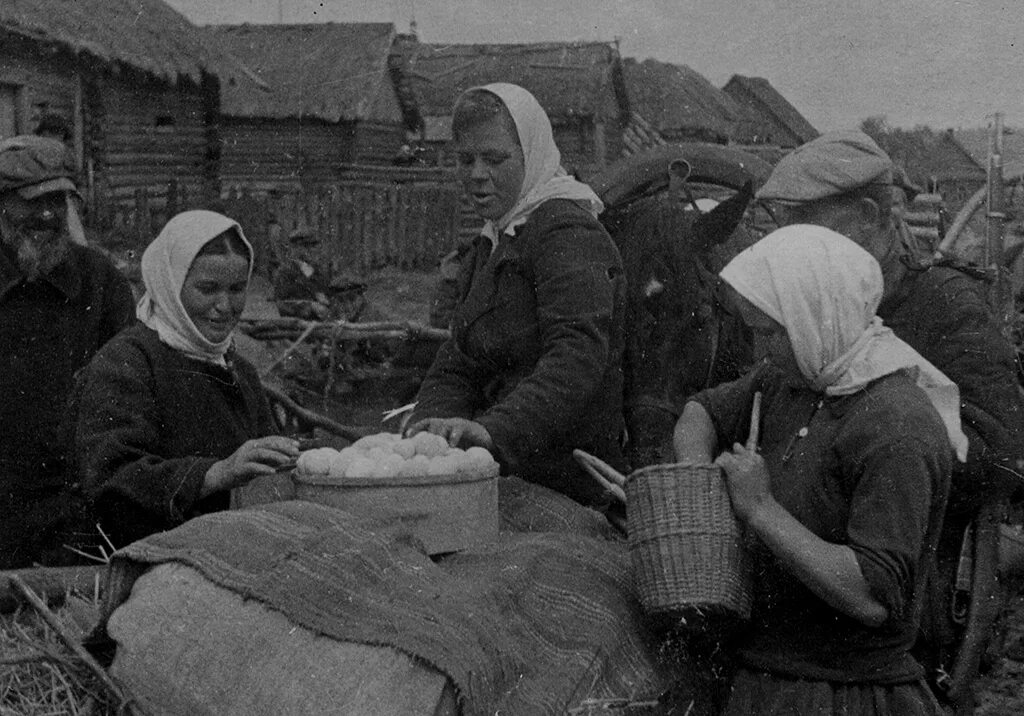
49,329
942,313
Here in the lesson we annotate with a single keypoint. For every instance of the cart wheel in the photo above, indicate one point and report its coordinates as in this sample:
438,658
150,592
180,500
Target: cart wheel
982,607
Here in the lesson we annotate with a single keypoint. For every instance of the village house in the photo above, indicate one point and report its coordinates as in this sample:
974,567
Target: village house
332,96
975,143
936,161
134,81
683,106
780,124
579,85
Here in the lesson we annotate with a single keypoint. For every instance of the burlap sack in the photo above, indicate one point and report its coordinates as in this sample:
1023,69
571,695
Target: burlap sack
187,647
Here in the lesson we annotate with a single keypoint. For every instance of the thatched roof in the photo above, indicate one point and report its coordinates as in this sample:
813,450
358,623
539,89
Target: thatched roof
331,71
569,79
774,103
926,154
975,143
681,102
147,35
639,135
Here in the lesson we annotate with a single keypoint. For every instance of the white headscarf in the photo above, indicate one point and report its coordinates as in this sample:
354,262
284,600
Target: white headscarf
824,290
165,264
543,178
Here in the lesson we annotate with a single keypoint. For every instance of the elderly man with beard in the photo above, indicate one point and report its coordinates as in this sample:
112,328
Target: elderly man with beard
59,302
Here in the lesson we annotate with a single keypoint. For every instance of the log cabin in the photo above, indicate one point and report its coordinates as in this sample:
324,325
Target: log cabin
684,106
134,81
781,124
579,84
331,97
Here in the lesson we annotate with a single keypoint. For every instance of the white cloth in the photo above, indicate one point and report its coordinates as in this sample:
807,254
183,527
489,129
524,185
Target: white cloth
824,290
165,264
543,177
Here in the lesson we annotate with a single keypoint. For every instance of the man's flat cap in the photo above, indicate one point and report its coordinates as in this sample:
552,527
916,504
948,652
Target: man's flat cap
832,164
34,166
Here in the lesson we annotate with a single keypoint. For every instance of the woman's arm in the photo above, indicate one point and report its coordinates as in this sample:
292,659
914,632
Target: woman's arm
829,570
452,387
121,438
117,444
577,274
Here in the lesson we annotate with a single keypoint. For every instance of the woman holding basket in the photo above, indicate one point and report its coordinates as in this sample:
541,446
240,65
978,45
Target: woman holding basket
843,498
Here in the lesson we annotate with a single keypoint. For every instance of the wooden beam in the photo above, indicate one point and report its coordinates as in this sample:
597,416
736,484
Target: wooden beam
51,583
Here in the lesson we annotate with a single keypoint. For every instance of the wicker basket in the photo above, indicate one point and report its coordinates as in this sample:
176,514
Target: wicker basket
685,543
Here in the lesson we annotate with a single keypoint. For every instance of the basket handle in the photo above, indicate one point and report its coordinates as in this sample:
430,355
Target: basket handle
607,476
755,423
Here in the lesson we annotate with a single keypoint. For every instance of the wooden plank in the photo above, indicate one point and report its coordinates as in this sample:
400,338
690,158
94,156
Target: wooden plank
50,583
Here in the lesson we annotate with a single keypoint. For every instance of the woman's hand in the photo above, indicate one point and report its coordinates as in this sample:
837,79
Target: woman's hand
261,456
747,479
457,431
829,570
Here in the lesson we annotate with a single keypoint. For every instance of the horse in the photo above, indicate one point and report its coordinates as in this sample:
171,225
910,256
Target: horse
681,333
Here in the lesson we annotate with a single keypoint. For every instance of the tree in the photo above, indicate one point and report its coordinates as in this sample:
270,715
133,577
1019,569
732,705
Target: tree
876,127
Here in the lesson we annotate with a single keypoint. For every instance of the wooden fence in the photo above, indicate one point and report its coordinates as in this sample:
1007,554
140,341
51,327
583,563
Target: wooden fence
361,226
365,219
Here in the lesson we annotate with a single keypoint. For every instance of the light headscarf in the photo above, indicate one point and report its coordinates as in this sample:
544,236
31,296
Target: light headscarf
543,177
165,264
824,290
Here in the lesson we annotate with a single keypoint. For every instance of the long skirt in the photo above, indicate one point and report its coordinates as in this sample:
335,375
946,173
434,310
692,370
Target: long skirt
760,694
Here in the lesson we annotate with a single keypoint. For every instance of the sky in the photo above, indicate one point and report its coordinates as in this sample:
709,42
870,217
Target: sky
940,63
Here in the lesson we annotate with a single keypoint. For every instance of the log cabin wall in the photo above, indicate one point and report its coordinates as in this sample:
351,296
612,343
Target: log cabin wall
609,126
265,154
377,142
152,135
575,141
34,81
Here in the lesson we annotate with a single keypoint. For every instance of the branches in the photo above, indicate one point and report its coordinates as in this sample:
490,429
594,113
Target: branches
293,328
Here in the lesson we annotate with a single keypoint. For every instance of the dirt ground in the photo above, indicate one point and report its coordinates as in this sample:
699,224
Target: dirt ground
1001,690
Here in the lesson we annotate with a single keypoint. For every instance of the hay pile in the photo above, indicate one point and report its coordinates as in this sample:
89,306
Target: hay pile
39,672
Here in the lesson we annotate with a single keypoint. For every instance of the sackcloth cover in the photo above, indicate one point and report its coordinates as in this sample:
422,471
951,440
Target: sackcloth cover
532,624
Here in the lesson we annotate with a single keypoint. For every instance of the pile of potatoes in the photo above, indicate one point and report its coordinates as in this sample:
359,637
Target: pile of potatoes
390,455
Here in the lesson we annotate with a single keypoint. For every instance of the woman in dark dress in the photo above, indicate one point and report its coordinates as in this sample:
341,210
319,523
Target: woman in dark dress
845,493
533,368
169,417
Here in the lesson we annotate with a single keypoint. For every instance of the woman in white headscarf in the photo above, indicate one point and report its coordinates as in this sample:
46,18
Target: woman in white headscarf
533,368
169,417
846,488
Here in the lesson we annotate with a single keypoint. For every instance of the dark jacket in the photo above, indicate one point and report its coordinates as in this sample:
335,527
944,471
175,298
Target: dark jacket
942,313
151,422
49,329
536,348
868,470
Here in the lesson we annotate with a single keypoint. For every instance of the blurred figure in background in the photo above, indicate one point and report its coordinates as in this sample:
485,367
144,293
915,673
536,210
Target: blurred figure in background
304,286
54,126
